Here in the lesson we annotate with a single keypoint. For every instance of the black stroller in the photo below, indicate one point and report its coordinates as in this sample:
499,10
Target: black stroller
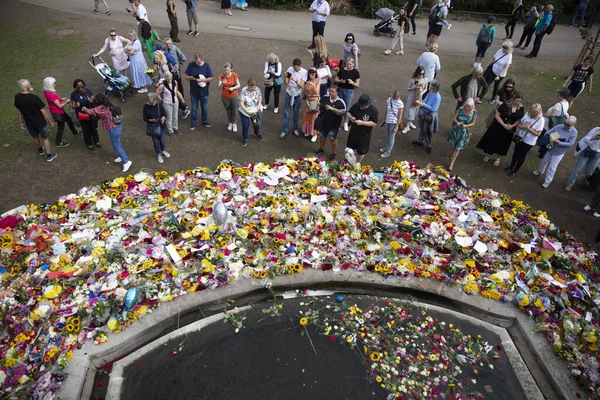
386,26
114,82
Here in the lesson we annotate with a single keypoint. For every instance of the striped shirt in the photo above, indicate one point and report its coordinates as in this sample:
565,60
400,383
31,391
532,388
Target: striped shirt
391,115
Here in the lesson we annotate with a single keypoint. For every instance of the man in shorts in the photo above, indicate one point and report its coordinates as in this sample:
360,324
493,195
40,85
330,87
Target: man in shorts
438,14
34,117
363,117
192,16
333,109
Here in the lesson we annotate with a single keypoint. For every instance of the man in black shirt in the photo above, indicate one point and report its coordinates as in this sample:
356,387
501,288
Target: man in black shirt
34,117
411,10
332,109
363,117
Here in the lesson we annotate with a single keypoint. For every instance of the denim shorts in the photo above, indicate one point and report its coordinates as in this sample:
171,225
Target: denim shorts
332,134
44,132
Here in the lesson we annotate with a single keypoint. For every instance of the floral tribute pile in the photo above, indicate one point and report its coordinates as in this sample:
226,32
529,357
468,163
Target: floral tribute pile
97,260
409,353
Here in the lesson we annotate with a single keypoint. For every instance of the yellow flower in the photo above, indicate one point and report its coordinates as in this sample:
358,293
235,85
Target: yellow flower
379,379
375,356
303,321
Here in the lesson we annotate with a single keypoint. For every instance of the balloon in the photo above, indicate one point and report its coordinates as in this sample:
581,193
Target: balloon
131,298
219,213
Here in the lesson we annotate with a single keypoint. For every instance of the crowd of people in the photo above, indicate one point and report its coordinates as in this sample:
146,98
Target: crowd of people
325,97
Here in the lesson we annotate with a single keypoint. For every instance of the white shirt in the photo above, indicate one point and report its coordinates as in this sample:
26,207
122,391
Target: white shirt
537,124
430,63
292,88
503,61
141,13
323,73
559,111
321,7
589,141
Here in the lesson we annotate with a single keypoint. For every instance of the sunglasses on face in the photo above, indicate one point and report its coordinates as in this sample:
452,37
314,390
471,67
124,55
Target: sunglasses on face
113,35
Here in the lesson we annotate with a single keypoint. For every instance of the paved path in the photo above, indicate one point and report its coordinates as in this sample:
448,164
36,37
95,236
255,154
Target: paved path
564,43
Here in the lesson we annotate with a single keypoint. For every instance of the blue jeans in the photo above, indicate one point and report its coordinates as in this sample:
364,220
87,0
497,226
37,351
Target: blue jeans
347,95
481,49
589,163
246,126
287,105
115,140
579,9
159,142
203,101
391,137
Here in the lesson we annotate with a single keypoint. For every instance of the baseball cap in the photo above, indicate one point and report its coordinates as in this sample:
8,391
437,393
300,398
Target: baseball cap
364,100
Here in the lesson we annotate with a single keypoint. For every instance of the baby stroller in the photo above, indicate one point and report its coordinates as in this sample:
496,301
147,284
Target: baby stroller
386,26
114,82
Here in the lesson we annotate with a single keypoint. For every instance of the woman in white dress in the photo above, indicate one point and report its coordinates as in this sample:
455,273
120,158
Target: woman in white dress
116,47
416,86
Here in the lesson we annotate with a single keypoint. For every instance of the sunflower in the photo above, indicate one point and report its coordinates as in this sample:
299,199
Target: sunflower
379,379
303,321
479,195
375,356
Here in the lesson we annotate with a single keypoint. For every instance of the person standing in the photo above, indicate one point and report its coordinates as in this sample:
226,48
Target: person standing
333,109
169,95
324,74
148,38
484,40
541,28
460,134
416,87
97,3
347,80
273,72
116,47
579,9
530,128
438,14
393,121
588,157
173,21
106,112
497,69
351,49
174,60
229,83
199,74
83,97
226,7
295,79
498,137
594,205
411,9
34,117
140,14
320,11
311,92
430,62
566,135
363,116
529,27
250,108
402,26
192,16
137,63
579,77
56,104
428,116
515,16
471,86
155,116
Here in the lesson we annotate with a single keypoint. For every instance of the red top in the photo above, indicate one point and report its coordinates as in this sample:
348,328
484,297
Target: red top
50,97
105,115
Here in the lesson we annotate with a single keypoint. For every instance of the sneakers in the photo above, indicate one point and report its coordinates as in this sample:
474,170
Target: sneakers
314,138
160,159
382,150
96,12
244,143
545,185
597,215
306,135
62,144
192,127
296,133
496,162
568,188
90,147
50,157
108,12
384,155
186,113
177,132
276,110
345,127
207,124
412,126
486,159
79,133
265,106
449,26
416,143
587,208
536,172
98,144
230,13
127,165
399,53
259,137
491,101
41,151
166,154
196,33
387,52
282,135
320,151
406,129
229,127
142,90
190,32
333,155
412,34
118,159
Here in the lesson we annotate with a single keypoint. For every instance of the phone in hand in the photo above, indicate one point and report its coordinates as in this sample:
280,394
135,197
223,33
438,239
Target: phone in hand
289,75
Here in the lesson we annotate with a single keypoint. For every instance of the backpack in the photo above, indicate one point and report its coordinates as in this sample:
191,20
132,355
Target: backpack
406,25
435,17
485,34
552,24
117,115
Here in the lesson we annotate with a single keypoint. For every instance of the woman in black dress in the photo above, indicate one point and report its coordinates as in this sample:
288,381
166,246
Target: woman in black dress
498,137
